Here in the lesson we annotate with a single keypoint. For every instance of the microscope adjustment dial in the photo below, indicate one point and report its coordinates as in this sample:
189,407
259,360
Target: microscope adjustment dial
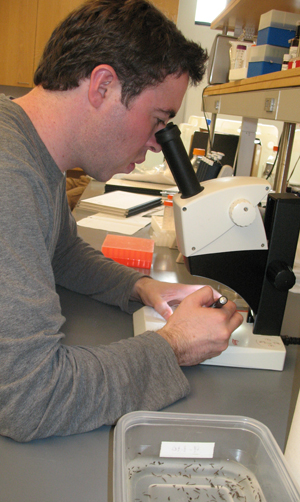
281,275
242,212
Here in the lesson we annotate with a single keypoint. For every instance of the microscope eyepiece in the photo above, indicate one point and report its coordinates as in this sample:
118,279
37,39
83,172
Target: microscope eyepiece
169,133
177,158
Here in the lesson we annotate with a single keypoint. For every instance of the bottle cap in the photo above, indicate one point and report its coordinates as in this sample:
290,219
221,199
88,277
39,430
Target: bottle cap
198,151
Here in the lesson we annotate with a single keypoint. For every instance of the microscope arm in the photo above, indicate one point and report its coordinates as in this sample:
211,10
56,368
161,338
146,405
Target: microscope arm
223,217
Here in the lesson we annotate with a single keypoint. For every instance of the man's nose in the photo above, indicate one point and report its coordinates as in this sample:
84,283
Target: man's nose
152,143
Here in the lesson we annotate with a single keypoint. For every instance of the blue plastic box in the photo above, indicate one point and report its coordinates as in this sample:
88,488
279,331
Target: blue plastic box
275,36
262,67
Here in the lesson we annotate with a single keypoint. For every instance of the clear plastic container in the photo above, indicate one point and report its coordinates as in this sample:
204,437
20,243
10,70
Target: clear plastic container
209,458
168,219
163,227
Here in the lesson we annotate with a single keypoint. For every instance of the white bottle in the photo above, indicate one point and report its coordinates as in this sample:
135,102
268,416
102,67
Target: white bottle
285,62
240,56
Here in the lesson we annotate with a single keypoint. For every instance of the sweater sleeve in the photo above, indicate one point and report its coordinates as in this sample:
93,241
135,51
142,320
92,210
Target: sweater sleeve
47,388
81,268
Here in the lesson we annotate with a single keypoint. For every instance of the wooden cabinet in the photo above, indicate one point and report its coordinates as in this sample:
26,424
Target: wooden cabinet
17,41
168,7
50,13
25,27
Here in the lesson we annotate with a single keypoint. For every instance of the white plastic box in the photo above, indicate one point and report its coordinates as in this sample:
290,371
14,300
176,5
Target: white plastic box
278,19
172,457
269,53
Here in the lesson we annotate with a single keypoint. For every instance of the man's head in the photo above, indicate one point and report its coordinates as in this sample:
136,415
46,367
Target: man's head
131,36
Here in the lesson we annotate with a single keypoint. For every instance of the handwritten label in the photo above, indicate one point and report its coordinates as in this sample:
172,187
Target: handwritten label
177,449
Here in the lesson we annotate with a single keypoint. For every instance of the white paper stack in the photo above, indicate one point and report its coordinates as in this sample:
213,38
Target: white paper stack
120,203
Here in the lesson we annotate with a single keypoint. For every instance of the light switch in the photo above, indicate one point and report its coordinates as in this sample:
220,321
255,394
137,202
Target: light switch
270,104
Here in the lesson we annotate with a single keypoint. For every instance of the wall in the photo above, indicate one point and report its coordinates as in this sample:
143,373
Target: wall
203,35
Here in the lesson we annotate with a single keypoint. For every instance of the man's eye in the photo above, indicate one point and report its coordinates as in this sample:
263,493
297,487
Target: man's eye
160,122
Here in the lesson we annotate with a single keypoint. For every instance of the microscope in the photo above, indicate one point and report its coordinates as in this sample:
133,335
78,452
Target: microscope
224,235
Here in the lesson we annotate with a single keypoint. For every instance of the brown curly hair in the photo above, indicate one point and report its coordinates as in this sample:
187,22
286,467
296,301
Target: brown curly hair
132,36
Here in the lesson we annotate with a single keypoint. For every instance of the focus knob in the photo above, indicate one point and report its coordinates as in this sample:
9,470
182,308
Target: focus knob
242,212
281,275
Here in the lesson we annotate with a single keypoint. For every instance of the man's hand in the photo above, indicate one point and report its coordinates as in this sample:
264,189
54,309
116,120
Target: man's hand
162,295
196,332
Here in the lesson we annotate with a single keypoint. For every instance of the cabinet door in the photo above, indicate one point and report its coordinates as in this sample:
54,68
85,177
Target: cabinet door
168,7
26,26
50,13
17,41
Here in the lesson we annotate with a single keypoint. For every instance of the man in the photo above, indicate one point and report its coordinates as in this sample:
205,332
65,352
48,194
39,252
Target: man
111,76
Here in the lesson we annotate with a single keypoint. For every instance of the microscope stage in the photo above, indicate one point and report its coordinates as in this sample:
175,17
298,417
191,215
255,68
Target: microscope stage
245,350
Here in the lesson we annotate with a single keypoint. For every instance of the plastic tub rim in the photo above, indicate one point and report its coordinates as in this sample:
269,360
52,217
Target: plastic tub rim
227,421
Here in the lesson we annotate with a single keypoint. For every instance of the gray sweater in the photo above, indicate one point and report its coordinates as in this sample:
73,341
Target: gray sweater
46,387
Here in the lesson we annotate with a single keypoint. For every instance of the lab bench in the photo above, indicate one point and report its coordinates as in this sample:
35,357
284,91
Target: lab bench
79,467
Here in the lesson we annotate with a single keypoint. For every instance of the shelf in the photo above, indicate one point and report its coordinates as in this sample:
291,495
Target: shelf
245,12
276,80
274,96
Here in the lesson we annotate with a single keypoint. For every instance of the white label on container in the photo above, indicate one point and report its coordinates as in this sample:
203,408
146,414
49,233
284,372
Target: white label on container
179,449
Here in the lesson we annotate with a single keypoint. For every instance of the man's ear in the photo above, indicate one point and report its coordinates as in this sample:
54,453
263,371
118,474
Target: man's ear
102,79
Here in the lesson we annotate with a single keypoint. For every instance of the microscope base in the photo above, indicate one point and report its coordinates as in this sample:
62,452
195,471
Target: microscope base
245,349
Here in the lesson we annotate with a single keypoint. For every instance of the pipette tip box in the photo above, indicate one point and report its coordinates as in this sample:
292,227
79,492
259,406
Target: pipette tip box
133,252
